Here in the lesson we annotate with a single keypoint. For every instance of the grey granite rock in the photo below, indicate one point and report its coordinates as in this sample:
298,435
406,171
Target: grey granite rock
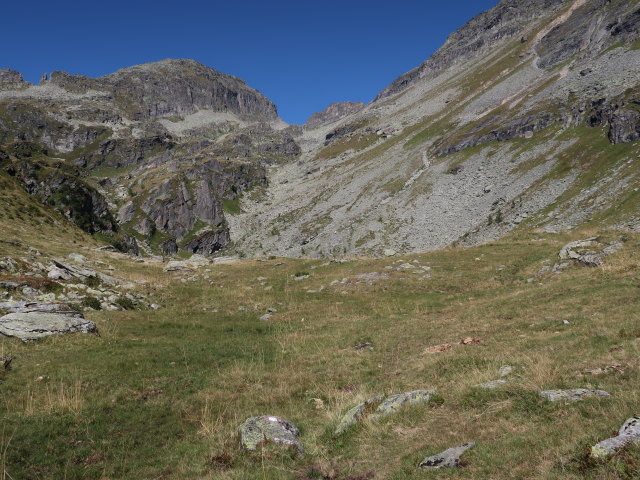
450,458
33,326
629,433
572,394
257,430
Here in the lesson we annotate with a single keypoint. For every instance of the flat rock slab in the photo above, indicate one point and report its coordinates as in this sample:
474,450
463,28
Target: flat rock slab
572,394
36,307
450,458
33,326
257,430
628,433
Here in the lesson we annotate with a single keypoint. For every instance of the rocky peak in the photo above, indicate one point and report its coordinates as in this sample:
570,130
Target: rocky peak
333,112
181,87
11,78
507,19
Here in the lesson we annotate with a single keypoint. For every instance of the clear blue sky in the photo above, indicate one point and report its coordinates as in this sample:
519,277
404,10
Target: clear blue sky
302,55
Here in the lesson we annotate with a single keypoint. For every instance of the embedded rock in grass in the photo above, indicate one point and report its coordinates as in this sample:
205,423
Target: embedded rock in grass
572,394
449,458
493,384
72,271
588,252
354,415
36,307
628,433
33,326
394,403
257,430
505,370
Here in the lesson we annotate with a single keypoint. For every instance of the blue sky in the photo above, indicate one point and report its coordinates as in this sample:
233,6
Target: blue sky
302,55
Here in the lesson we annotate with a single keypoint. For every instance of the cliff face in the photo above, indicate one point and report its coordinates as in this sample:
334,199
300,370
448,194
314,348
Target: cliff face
163,145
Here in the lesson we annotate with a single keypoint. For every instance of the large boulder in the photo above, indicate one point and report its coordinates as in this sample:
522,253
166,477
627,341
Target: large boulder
257,430
628,433
33,326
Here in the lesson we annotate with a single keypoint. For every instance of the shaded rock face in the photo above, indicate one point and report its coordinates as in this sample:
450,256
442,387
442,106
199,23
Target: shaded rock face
66,193
180,87
333,112
257,430
591,28
507,19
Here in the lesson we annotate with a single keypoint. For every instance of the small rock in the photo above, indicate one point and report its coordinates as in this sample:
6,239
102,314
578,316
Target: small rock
450,458
265,317
470,341
257,430
493,384
271,310
6,363
389,252
362,346
505,370
572,394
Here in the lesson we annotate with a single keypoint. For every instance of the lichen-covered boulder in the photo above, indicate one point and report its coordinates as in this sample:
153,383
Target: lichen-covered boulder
450,458
257,430
393,403
572,394
354,415
33,326
628,433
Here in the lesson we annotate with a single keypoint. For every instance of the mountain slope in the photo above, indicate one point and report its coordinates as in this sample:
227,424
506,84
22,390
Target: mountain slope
526,118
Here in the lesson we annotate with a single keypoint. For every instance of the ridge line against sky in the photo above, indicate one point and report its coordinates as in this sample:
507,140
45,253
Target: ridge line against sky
301,56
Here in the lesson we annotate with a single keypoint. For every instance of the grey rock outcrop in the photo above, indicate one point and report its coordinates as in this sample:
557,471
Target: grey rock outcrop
589,252
11,79
257,430
629,433
381,406
450,458
180,87
34,326
572,394
333,112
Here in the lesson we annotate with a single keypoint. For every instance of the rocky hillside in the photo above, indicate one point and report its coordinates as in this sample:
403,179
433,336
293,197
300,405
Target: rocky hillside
148,157
526,118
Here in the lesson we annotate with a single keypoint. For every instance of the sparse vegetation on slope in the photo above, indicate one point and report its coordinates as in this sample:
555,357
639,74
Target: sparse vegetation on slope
161,394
